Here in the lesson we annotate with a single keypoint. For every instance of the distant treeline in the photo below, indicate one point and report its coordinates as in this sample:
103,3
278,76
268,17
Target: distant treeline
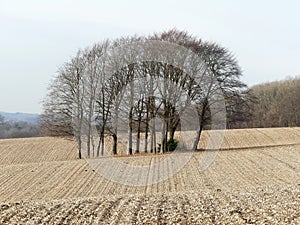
277,104
18,129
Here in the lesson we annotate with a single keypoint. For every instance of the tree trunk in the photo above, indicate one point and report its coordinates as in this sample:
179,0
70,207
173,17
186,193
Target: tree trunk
102,145
152,131
130,116
89,140
130,132
138,138
79,148
93,145
101,142
115,138
165,118
163,137
79,121
197,139
153,148
172,132
115,133
146,130
99,145
201,119
154,138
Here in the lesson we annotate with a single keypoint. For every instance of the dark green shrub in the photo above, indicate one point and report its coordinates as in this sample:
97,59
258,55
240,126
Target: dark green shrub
171,145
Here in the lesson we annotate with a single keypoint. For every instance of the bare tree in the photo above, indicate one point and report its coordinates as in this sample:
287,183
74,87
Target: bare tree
63,107
94,59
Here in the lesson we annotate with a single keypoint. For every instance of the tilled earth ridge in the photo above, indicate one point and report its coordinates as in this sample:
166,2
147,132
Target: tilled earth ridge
268,205
47,149
243,170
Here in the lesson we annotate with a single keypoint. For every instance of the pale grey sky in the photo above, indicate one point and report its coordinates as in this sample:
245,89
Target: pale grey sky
38,36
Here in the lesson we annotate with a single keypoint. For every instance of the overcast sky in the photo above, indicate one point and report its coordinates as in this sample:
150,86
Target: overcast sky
38,36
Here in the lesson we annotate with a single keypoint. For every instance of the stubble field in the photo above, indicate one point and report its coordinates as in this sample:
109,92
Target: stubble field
256,179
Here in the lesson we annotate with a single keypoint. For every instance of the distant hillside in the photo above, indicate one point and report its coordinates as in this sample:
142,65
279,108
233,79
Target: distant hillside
18,116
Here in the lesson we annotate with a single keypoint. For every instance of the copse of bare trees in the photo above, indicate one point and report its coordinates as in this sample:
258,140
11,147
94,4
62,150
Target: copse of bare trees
278,104
136,89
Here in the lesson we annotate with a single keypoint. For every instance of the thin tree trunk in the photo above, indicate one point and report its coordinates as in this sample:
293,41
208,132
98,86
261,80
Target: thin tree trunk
102,145
152,127
151,138
115,133
99,146
130,133
101,142
201,124
166,137
163,137
165,115
89,124
78,135
147,128
154,138
153,148
93,145
89,140
138,140
130,117
89,134
79,148
115,138
197,139
79,121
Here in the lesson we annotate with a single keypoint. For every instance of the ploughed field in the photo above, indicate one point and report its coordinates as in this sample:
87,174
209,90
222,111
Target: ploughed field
256,179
